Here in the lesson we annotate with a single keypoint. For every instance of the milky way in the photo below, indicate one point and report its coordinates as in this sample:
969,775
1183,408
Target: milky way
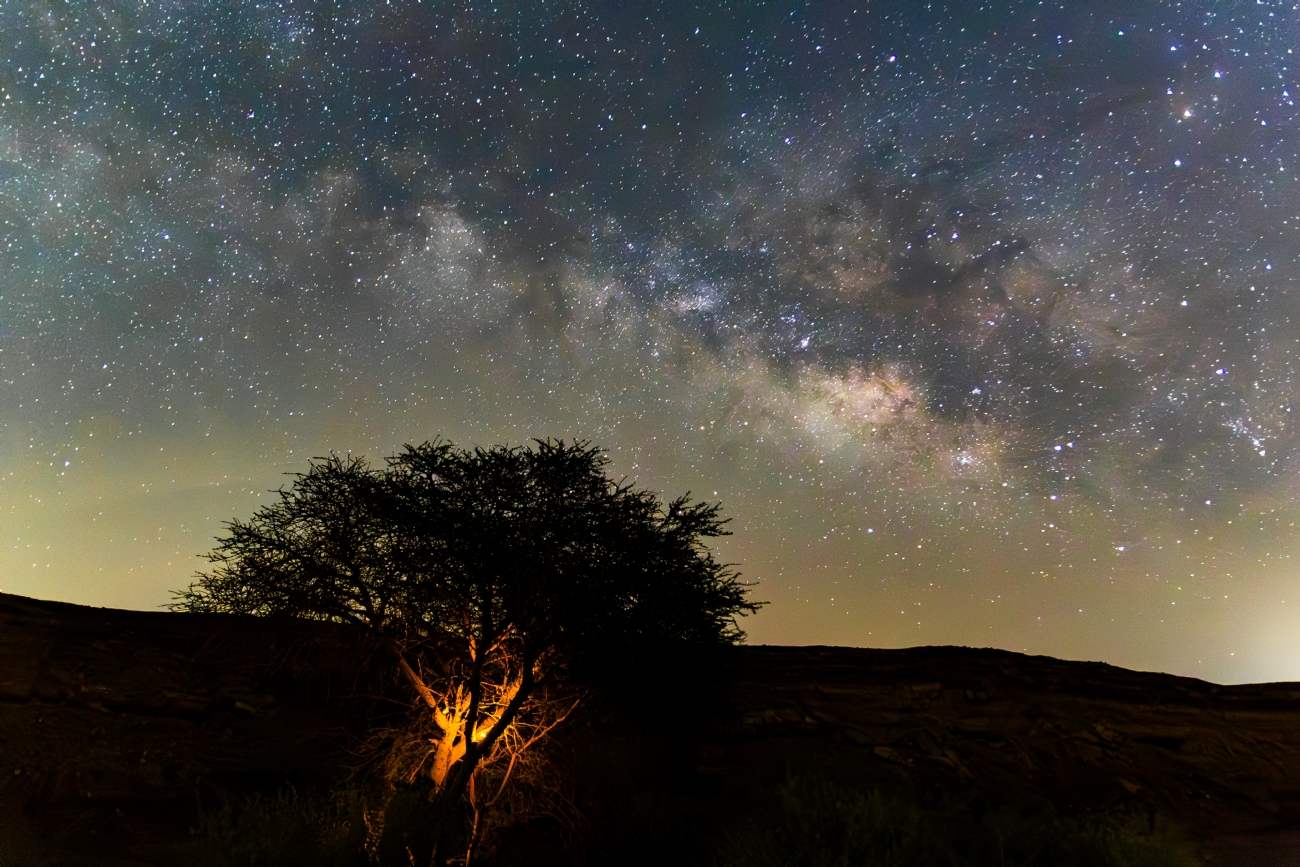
980,321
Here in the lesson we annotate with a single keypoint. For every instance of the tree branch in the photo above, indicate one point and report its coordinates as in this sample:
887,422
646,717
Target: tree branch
418,682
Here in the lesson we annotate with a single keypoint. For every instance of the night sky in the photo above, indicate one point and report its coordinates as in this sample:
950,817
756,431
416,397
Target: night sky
982,322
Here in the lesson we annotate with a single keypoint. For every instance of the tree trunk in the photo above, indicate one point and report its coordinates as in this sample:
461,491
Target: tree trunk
461,773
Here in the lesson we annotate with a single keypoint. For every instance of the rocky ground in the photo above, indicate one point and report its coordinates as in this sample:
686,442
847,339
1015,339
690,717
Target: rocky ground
1222,762
117,726
113,722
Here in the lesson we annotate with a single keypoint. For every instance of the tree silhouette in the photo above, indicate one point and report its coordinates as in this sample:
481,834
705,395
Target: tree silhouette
486,573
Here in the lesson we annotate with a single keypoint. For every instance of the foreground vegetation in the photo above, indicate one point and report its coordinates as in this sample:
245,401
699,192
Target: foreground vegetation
808,821
814,822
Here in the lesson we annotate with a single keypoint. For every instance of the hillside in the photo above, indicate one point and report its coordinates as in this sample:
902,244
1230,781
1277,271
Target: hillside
117,726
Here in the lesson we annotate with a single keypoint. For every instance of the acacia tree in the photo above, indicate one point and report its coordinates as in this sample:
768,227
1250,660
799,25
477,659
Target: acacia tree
485,572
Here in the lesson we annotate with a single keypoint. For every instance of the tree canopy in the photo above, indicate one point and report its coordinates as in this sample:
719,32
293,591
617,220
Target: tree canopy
485,571
537,542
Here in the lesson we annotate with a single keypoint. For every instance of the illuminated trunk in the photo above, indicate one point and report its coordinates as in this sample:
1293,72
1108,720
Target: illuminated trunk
451,714
462,742
451,746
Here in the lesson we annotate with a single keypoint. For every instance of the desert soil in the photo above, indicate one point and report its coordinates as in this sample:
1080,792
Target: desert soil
116,726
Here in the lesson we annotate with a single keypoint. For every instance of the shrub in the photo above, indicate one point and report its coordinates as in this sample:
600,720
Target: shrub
815,822
345,827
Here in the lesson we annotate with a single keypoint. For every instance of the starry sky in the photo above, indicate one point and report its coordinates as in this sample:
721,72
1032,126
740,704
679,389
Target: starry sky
981,321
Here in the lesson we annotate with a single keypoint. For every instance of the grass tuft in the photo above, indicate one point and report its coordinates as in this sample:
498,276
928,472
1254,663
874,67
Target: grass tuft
345,827
815,822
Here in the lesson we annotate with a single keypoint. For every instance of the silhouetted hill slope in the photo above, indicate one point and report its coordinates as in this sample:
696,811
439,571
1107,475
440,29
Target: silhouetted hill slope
111,721
115,724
